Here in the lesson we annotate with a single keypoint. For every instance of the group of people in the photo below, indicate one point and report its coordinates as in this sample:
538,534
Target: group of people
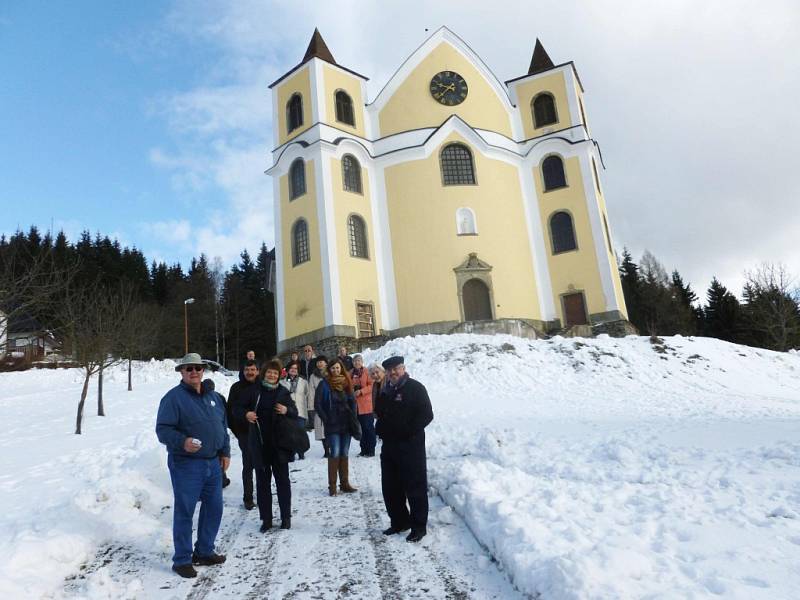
268,410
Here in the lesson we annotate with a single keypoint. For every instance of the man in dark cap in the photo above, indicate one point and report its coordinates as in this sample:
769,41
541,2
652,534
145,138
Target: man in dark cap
404,410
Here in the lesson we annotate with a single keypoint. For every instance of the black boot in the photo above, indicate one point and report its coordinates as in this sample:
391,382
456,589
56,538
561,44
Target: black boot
416,535
207,561
249,504
392,530
186,571
265,526
286,523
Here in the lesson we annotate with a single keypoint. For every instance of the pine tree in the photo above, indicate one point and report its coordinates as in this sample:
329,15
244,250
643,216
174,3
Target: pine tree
722,313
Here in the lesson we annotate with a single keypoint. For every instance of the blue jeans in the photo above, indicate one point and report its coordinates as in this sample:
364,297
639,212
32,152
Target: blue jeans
367,433
193,480
339,444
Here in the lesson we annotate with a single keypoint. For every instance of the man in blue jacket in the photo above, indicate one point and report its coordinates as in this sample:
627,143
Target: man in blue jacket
191,424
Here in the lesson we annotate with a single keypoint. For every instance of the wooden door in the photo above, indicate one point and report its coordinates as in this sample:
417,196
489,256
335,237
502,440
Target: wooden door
575,309
477,304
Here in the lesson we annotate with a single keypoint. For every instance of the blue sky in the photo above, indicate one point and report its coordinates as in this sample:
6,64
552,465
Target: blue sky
151,121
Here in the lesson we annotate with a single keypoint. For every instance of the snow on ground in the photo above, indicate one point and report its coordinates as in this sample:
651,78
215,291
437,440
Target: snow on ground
586,468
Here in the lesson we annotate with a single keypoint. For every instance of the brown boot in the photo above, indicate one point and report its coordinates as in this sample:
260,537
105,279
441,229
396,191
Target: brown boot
333,467
344,475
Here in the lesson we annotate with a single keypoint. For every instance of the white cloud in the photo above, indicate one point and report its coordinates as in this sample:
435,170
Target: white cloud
693,105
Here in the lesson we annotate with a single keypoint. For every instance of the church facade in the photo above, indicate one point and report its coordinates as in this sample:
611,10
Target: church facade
449,198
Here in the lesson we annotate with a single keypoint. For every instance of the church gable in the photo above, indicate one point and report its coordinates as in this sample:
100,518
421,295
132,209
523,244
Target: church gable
407,102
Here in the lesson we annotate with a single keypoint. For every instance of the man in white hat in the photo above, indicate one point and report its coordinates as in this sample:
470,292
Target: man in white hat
191,424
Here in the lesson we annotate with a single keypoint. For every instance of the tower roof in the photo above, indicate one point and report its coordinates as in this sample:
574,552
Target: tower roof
317,48
540,61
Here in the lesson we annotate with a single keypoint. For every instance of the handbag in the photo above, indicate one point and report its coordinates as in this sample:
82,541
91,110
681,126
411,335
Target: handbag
291,436
353,424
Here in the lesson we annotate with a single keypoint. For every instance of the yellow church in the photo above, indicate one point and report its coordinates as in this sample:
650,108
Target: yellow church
449,202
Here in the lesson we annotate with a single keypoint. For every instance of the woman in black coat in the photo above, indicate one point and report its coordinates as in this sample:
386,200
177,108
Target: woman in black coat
270,410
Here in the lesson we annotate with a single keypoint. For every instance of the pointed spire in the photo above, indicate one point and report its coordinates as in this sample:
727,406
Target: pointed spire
317,48
540,61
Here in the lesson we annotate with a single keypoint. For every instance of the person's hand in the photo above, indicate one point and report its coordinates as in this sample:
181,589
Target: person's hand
189,447
281,409
251,416
224,462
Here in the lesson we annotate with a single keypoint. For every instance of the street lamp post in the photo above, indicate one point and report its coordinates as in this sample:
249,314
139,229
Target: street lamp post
186,304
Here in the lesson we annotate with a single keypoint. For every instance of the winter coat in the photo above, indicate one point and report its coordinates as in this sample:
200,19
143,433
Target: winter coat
237,396
183,413
347,361
306,367
300,395
403,412
313,384
364,384
332,408
265,439
377,386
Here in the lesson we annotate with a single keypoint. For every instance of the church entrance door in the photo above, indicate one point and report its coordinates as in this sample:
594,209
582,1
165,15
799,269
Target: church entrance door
477,304
575,309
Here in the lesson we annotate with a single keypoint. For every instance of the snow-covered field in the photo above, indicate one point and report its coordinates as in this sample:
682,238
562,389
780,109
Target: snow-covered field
602,468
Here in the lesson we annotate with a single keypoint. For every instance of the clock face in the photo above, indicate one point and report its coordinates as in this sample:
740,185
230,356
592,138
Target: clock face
448,88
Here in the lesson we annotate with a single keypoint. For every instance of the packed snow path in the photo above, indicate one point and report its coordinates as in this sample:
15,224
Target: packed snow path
335,549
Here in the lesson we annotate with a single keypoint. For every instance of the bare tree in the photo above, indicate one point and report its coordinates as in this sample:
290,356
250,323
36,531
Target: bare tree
137,334
772,308
92,317
29,284
218,279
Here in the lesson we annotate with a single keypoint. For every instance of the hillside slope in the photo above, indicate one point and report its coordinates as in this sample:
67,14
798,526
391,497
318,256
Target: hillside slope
587,468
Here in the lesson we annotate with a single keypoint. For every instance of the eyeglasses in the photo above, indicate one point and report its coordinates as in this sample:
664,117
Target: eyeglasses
191,368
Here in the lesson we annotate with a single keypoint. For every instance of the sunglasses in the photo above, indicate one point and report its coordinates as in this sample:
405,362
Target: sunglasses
191,368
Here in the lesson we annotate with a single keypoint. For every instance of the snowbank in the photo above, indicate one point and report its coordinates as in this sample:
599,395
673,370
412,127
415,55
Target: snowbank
602,468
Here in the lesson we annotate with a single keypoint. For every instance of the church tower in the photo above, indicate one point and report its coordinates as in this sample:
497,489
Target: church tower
450,202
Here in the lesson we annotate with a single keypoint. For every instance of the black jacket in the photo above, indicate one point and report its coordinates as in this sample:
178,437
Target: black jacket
402,412
265,439
236,396
306,368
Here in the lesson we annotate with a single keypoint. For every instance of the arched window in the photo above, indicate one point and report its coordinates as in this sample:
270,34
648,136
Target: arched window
300,251
294,113
465,222
297,179
457,168
562,232
344,109
553,173
357,231
351,174
544,110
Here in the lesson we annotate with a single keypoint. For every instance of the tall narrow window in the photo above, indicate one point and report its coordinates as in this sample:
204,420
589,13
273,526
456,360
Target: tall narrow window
457,167
465,222
357,231
562,232
351,174
344,109
553,173
294,113
297,179
365,316
544,110
300,251
608,235
596,177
